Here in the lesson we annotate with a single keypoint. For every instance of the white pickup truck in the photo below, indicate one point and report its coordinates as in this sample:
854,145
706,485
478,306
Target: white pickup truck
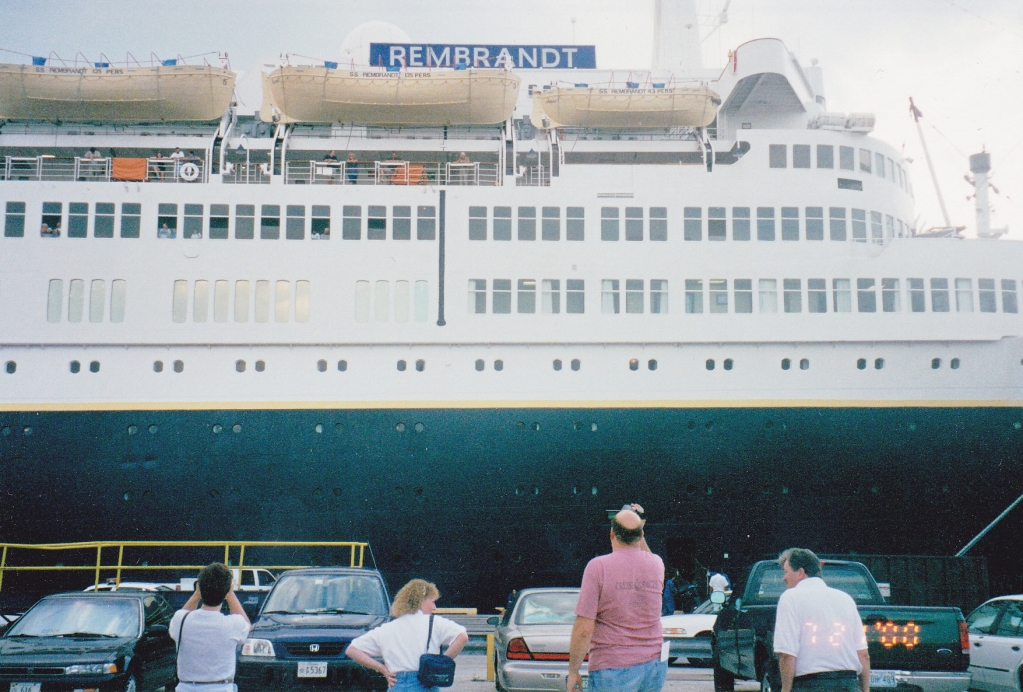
245,579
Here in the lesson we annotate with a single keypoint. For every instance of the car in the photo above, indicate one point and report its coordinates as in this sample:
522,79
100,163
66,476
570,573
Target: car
689,634
996,645
130,586
114,641
304,626
531,640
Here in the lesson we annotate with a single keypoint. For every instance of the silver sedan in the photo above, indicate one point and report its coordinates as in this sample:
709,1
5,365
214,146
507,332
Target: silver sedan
531,641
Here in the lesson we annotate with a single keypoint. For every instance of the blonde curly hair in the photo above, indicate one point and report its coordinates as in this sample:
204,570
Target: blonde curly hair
411,597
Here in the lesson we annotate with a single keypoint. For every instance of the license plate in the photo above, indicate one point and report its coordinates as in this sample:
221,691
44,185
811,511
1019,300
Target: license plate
26,686
306,669
878,678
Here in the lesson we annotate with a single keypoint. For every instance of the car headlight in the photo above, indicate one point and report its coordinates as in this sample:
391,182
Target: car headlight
91,669
676,631
257,647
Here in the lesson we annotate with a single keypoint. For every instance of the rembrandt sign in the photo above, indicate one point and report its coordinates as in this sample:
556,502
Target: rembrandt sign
470,55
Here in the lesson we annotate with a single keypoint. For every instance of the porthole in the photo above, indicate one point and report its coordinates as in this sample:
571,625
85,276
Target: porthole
318,429
633,364
157,366
419,427
576,364
954,364
535,426
593,427
480,365
557,365
27,430
6,431
935,363
402,365
651,364
239,366
786,363
342,365
499,365
593,491
861,364
400,427
420,365
321,365
179,366
578,425
879,363
217,429
94,366
804,364
153,429
75,367
133,429
728,363
260,366
11,367
236,428
709,364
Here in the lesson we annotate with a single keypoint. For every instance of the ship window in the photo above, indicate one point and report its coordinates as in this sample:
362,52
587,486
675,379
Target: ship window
321,365
728,363
954,364
1009,303
634,296
557,365
815,223
889,226
917,300
261,313
609,223
502,223
157,367
94,366
790,223
575,223
75,367
270,222
694,296
499,365
244,221
221,300
847,158
939,295
77,219
709,364
342,365
527,223
295,224
575,296
634,223
866,295
879,165
167,221
421,298
792,295
179,308
740,223
76,301
193,221
778,155
219,221
633,364
964,295
768,296
480,365
551,296
362,301
836,219
351,223
477,296
842,289
52,220
716,223
743,295
502,297
401,301
576,364
401,223
241,301
825,156
890,301
239,366
651,364
260,366
804,364
201,301
98,299
382,301
875,226
816,295
526,296
401,366
319,228
786,363
131,219
376,222
879,363
935,363
117,300
658,296
426,223
859,225
890,170
551,228
718,295
800,155
865,160
659,223
55,300
609,297
103,226
14,222
302,296
420,365
477,223
765,223
692,223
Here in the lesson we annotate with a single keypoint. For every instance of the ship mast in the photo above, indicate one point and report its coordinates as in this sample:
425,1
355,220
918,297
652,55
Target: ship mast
915,112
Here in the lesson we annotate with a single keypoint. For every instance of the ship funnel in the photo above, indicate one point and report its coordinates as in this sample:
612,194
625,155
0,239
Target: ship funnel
676,45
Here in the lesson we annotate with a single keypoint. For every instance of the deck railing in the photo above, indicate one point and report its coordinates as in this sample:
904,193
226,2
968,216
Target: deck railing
390,173
81,169
247,173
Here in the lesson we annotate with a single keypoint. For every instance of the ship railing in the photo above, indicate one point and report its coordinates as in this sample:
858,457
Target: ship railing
390,173
164,170
533,176
98,557
247,173
40,168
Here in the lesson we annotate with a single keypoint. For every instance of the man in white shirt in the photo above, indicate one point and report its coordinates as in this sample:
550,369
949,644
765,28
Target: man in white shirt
818,634
718,582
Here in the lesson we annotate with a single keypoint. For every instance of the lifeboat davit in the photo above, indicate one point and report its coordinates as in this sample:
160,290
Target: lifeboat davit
380,97
614,107
115,94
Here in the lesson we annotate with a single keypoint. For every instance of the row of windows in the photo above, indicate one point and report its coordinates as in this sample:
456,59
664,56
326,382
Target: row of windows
882,166
284,301
74,300
378,301
550,296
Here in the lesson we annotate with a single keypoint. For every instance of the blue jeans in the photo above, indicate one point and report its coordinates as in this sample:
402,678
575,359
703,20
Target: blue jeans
642,677
409,682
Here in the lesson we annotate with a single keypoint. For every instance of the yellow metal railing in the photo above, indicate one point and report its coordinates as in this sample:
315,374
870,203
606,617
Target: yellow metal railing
357,555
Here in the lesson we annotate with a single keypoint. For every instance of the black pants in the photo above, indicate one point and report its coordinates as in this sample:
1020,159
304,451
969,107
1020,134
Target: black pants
827,682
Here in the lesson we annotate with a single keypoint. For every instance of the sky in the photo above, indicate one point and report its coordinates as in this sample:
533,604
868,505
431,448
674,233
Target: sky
961,60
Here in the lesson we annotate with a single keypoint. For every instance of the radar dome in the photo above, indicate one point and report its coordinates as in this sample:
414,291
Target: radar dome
355,47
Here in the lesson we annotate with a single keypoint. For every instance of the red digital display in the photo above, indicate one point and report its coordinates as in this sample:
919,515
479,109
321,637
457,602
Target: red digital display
889,634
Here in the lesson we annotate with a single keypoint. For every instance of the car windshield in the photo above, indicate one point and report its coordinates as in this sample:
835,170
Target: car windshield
708,608
552,608
843,577
327,593
61,617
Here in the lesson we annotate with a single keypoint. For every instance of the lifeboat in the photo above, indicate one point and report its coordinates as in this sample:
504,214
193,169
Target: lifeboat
115,94
612,107
379,97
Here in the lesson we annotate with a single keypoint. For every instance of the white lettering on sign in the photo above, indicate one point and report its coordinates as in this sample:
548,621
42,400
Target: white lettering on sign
551,57
397,55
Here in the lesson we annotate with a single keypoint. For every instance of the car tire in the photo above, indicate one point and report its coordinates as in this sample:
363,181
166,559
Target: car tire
131,685
724,680
497,678
765,683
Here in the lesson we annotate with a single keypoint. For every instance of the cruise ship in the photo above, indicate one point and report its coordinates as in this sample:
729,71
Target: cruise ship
461,301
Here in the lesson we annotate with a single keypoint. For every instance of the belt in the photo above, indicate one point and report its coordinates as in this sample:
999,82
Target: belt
208,682
829,675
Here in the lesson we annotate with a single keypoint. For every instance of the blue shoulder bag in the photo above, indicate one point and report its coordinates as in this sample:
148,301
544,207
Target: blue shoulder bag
435,670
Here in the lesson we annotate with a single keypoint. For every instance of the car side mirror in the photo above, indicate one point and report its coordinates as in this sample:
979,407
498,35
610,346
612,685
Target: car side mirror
158,631
717,596
494,621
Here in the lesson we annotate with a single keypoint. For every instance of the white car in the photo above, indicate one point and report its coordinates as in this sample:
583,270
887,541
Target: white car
131,586
688,635
996,645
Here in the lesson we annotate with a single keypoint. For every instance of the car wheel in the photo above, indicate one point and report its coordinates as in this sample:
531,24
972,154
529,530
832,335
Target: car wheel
765,683
131,685
724,680
497,677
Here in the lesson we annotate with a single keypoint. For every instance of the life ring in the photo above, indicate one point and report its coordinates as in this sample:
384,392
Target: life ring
189,172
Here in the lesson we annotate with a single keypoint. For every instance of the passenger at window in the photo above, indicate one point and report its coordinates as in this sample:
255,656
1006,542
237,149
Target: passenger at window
46,232
165,231
191,157
352,169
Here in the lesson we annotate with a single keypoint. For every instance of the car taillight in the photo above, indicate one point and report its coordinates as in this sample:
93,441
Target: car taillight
964,638
518,651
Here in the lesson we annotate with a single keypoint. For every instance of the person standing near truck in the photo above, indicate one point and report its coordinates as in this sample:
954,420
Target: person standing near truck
818,634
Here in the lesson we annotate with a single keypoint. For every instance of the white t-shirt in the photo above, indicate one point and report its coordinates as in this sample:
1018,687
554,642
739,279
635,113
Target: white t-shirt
820,626
402,641
207,651
718,582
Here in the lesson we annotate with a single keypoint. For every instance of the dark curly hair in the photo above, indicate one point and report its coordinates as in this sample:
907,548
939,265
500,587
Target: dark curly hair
214,583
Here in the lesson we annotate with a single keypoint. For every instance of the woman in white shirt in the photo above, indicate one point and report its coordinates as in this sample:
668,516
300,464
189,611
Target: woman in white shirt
402,641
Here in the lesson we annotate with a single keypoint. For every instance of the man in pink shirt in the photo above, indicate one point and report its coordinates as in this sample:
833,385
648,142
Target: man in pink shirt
618,618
